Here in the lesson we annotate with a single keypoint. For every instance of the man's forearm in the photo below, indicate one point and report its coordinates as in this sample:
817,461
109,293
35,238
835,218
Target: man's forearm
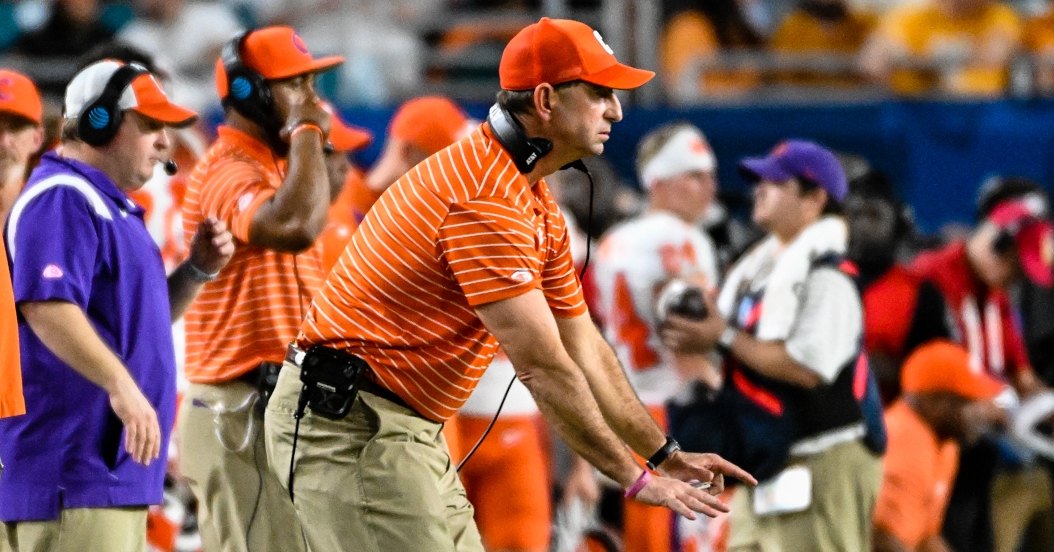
65,330
770,358
303,197
182,289
563,395
618,403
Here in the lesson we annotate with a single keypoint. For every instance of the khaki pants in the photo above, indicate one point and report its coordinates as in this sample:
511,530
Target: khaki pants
241,505
379,480
80,530
845,483
1022,516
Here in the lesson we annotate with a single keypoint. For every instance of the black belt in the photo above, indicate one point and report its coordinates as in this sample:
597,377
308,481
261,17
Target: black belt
365,384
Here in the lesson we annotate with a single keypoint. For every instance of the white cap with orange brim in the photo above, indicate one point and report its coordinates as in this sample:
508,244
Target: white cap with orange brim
144,95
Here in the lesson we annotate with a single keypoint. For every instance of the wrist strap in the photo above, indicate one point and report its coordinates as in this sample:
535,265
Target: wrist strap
638,484
199,275
302,127
662,454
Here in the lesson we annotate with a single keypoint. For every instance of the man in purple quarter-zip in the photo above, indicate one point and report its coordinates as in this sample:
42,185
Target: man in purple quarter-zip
88,457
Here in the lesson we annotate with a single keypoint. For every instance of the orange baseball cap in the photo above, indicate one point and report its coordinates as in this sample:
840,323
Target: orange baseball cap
345,137
555,51
18,95
430,123
941,365
276,53
144,95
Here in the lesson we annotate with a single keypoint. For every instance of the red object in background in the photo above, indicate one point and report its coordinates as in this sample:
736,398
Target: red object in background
161,531
889,304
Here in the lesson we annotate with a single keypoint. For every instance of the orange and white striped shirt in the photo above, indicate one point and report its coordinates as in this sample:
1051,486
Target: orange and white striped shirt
463,228
253,310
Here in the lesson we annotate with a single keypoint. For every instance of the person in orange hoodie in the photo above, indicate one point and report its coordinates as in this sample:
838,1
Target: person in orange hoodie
945,404
20,137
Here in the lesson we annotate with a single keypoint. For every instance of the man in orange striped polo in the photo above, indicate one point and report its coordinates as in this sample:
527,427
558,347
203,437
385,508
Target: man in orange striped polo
466,251
266,178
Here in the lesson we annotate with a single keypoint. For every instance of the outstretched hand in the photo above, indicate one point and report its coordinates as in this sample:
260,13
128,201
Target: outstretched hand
681,497
705,468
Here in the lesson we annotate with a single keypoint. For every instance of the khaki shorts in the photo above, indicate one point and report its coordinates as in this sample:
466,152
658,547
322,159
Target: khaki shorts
241,505
845,483
80,530
379,480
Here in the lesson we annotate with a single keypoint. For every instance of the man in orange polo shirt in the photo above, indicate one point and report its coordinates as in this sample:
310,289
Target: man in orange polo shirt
467,251
266,178
20,138
944,404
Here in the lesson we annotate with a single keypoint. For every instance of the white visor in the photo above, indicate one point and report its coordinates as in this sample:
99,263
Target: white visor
684,152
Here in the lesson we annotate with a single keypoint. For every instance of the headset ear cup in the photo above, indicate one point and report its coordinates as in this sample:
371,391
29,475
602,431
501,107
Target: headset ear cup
98,124
249,95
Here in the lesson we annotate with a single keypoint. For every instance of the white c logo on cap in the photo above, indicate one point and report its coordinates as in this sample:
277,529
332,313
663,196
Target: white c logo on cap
600,39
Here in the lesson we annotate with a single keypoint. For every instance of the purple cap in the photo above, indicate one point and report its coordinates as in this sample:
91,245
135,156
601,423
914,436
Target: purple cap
798,159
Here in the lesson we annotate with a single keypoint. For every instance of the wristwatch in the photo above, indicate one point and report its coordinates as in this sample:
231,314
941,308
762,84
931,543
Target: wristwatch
724,343
667,449
199,275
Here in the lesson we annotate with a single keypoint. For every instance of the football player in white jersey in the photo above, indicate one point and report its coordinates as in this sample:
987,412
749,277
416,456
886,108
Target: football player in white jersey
635,261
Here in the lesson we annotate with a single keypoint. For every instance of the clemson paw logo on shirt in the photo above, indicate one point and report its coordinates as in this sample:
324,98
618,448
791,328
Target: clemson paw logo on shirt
244,201
53,272
522,276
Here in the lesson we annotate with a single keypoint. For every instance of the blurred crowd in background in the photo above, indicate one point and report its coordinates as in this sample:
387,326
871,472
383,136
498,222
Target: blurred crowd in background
704,50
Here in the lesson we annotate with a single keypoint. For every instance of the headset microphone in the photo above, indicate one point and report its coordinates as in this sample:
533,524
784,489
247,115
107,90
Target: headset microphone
171,168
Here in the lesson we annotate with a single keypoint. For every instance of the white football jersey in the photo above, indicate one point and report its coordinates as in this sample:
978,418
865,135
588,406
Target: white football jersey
634,260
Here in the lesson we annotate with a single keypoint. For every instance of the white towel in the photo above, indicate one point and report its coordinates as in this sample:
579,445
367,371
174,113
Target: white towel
783,288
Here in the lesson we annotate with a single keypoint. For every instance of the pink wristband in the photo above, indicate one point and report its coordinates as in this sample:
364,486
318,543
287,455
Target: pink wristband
640,483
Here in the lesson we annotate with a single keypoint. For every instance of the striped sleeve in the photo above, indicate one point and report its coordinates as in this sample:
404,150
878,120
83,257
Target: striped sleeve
490,249
560,283
231,192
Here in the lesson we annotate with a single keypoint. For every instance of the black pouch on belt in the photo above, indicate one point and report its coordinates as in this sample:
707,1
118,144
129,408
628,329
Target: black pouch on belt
331,380
267,379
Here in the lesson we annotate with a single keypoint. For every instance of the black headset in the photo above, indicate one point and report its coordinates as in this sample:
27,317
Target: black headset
525,151
98,122
247,90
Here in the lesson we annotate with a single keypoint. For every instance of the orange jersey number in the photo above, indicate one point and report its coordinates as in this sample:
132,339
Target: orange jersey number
630,330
